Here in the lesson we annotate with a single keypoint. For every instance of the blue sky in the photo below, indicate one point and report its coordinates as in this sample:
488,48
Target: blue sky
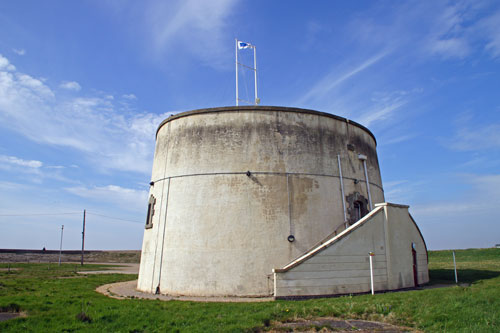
83,86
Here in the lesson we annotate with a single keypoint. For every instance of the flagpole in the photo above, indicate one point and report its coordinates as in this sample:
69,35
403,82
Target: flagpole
236,51
255,69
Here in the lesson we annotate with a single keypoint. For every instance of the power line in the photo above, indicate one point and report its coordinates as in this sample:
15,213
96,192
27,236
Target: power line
56,214
114,218
40,214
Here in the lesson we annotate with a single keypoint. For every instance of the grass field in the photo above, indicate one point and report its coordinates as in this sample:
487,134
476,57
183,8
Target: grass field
56,299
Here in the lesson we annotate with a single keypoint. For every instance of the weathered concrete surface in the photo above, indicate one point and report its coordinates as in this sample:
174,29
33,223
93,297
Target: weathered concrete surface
217,231
341,265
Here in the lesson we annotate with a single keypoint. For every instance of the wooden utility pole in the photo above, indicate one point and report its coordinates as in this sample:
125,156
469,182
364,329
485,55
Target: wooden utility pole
83,236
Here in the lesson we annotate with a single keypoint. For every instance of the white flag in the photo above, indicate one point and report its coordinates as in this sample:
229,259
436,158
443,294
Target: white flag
243,45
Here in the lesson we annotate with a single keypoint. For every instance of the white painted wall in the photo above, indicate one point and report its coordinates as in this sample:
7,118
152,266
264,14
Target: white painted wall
341,265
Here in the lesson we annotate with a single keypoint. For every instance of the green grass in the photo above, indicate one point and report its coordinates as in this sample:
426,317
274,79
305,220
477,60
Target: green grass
472,265
53,297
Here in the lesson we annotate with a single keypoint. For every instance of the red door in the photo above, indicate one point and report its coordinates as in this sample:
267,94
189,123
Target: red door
415,275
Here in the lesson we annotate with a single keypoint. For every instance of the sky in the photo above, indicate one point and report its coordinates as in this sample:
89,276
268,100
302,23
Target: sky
84,85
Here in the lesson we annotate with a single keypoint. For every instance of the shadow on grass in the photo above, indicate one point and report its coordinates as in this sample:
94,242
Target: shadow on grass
464,275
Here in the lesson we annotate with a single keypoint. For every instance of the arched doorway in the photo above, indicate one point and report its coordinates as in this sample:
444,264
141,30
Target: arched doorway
357,207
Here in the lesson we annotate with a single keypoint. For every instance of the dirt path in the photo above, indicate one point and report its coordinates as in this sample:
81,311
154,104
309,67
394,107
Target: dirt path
335,325
127,290
11,315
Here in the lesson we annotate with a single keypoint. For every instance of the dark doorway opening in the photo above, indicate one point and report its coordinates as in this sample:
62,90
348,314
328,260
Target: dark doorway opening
357,207
414,257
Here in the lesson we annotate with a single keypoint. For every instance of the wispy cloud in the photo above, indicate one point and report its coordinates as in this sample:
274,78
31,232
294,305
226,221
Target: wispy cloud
448,37
439,210
20,162
196,26
430,29
126,198
314,32
477,138
70,85
460,26
491,29
380,114
403,190
129,96
480,160
451,47
385,107
484,198
20,52
37,170
464,220
394,189
333,79
108,136
398,139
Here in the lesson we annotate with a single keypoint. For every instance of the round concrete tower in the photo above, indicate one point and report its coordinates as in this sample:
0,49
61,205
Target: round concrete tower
237,191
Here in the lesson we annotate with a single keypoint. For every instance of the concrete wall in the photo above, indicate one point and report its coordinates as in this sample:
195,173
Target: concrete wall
340,268
401,232
217,231
341,264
